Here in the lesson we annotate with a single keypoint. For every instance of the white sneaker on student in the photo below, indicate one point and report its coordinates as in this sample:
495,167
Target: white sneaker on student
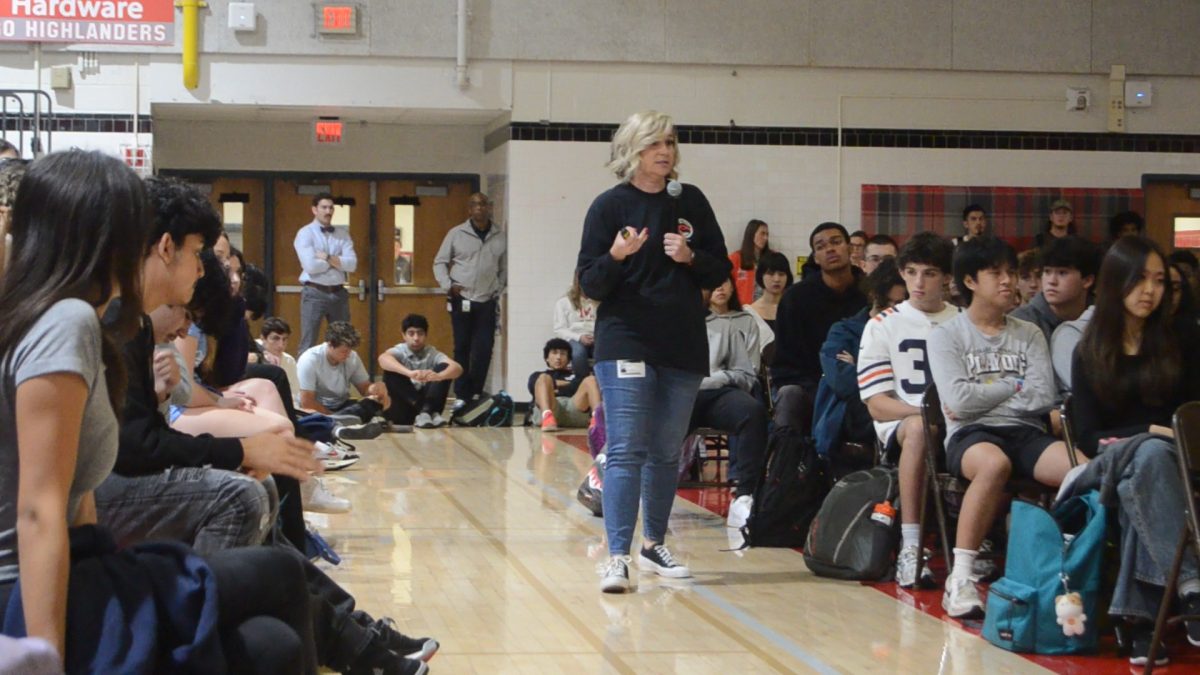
739,511
320,500
424,421
961,599
333,457
615,576
906,568
438,420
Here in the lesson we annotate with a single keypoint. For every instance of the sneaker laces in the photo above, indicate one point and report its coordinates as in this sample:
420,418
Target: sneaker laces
617,565
664,555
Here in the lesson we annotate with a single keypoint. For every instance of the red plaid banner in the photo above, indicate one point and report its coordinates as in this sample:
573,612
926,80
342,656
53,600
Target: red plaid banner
1017,214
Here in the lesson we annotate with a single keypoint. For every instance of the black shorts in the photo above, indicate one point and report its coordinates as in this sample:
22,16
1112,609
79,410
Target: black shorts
1021,444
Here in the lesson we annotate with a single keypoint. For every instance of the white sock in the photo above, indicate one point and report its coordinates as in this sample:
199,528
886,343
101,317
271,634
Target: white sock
964,559
910,535
1189,587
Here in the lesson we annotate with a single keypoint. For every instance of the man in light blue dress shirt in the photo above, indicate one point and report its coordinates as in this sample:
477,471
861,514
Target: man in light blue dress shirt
326,258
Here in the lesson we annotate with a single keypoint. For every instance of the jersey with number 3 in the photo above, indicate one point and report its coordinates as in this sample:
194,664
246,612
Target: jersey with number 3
892,356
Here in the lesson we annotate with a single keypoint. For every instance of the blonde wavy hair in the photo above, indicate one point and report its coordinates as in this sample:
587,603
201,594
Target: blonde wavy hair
638,132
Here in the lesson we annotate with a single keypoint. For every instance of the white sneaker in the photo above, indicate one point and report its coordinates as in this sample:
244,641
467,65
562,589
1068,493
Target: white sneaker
438,420
906,568
739,511
319,500
424,421
961,599
615,576
333,457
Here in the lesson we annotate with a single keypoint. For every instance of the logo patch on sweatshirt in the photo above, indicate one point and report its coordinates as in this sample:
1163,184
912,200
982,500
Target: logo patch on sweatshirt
686,229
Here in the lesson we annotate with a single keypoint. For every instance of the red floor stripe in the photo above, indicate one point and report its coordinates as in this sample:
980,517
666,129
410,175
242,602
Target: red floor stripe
1184,659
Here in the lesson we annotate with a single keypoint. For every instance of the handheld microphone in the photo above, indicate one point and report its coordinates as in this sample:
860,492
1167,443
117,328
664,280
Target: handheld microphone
674,188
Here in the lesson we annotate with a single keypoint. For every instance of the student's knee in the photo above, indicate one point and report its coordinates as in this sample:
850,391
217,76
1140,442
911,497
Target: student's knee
986,463
911,433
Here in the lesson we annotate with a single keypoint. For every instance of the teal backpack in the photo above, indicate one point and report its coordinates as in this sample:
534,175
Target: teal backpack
1050,553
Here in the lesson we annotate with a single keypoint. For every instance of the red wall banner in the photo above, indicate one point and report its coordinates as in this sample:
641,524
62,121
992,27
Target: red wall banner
125,22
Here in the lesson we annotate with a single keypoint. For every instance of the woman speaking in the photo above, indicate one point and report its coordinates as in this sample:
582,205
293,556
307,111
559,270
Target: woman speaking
649,246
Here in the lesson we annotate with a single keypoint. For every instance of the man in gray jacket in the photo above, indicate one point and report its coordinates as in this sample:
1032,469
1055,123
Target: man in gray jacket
470,267
994,376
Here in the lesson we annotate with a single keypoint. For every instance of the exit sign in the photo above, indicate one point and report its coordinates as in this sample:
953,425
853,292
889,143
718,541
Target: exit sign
337,19
327,132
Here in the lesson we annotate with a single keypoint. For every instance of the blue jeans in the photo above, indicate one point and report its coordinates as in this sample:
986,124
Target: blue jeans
646,419
209,509
1151,518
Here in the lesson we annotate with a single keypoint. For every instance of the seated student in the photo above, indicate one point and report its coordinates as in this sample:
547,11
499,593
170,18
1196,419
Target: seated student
273,338
974,223
1069,267
858,247
774,277
417,377
839,415
328,370
76,220
893,373
203,490
1132,370
575,322
563,399
724,305
879,248
994,376
806,313
1029,275
726,402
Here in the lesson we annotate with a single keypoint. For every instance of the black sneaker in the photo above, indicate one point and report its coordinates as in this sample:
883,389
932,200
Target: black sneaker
1139,650
658,559
359,432
420,649
384,662
1191,607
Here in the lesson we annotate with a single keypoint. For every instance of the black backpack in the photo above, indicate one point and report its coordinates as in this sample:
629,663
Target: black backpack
848,539
794,484
488,411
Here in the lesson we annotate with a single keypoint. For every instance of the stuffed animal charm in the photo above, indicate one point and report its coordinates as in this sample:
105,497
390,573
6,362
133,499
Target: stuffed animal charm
1069,610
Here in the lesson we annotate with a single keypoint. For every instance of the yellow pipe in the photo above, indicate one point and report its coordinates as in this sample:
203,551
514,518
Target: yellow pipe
191,41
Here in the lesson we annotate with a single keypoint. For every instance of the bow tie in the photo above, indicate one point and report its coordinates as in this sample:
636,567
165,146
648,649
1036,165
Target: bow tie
327,230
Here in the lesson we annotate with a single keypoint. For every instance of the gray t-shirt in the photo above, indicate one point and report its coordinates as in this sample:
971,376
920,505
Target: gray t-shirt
426,359
977,375
65,340
330,383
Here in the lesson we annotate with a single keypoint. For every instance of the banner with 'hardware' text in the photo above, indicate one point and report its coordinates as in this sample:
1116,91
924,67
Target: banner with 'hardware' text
123,22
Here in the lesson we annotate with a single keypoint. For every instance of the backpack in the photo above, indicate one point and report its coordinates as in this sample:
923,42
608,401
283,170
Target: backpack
315,427
1047,551
794,484
489,411
856,532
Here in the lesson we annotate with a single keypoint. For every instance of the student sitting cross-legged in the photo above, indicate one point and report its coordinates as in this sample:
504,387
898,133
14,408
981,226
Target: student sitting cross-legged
997,385
417,377
563,399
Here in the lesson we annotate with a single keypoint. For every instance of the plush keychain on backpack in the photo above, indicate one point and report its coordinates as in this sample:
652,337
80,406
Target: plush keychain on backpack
1069,610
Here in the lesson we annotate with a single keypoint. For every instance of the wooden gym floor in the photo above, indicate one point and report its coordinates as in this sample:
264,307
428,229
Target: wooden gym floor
474,536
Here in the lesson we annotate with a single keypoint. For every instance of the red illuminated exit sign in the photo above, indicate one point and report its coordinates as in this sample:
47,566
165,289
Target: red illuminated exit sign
327,132
337,19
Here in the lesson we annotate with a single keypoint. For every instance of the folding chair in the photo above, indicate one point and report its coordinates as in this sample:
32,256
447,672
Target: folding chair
938,482
715,450
1187,445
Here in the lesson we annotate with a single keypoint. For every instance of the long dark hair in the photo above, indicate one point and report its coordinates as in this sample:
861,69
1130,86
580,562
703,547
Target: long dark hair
213,305
749,256
1104,338
79,225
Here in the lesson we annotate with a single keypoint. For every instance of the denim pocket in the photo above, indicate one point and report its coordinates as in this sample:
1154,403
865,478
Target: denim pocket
1011,621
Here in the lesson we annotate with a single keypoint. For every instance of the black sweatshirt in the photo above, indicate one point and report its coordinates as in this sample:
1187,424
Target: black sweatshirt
650,305
1095,417
806,313
147,444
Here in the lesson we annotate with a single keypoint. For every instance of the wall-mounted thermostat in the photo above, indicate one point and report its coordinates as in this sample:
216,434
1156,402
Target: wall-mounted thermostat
242,16
1138,94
